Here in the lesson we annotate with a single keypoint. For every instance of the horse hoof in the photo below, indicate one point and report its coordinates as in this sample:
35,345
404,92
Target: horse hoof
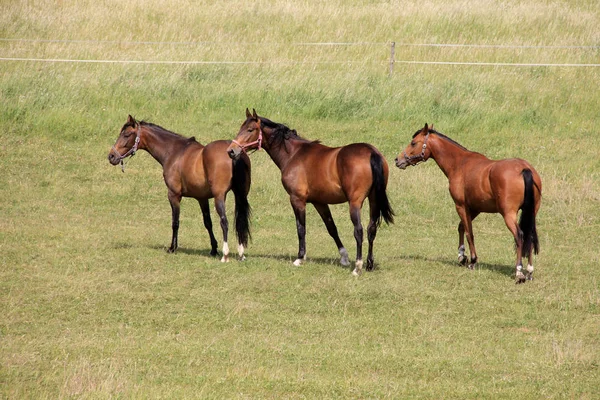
170,250
224,259
471,267
462,260
243,258
214,253
355,272
370,265
520,278
298,262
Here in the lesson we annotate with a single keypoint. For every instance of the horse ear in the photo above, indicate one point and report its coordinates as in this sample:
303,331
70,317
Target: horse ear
426,128
254,113
248,115
130,119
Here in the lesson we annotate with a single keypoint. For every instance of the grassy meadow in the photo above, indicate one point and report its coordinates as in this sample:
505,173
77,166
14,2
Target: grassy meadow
91,304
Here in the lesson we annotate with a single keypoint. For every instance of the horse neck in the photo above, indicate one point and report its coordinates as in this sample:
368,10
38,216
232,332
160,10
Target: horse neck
447,155
279,154
159,144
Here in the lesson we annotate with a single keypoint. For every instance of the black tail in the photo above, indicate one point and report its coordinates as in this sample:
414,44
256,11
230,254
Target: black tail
379,186
240,185
527,221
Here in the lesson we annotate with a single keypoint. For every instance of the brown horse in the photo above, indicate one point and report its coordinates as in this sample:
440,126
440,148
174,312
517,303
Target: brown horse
321,175
478,184
192,170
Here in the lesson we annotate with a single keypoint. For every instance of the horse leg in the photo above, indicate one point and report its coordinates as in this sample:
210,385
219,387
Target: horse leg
325,213
358,235
174,200
220,207
299,207
462,259
510,219
466,221
372,232
208,225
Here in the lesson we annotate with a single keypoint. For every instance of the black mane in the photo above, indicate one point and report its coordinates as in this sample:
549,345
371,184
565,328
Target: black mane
281,133
443,137
159,129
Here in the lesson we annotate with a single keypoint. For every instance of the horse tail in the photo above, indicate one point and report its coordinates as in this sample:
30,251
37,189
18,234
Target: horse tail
240,185
379,189
527,221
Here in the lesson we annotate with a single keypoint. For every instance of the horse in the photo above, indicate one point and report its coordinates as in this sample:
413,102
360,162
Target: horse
480,185
314,173
192,170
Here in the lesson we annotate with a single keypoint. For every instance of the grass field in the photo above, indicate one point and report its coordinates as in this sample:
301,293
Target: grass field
92,306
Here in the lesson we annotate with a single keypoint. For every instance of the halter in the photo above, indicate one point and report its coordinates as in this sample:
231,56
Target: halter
419,157
131,151
248,145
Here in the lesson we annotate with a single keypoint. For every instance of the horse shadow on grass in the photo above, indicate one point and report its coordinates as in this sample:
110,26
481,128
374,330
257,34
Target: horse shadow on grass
501,269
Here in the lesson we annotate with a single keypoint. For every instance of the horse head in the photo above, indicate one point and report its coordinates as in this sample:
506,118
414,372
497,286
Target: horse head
127,142
249,137
417,150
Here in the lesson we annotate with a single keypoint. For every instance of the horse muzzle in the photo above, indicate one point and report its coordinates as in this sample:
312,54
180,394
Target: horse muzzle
401,163
113,158
234,153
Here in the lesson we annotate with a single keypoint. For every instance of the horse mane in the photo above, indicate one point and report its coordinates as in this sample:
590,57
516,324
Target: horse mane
443,137
281,133
159,129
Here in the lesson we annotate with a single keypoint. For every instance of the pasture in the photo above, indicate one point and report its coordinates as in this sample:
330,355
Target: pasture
91,304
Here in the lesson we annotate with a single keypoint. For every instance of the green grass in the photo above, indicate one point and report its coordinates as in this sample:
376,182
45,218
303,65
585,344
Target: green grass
92,306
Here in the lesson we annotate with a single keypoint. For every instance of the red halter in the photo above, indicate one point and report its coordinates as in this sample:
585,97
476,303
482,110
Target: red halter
248,145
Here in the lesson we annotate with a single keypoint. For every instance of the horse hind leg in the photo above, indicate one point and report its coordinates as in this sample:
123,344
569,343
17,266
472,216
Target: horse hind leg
510,219
358,235
372,231
325,213
208,225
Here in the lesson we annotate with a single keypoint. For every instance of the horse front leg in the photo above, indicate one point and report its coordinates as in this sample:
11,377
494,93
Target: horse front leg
325,213
462,259
208,225
220,207
467,222
358,235
174,200
299,206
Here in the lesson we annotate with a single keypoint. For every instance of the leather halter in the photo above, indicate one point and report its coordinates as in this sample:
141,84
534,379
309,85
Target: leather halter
258,141
416,159
131,151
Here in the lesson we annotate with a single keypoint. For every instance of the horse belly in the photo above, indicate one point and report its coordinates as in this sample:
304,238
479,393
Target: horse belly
326,196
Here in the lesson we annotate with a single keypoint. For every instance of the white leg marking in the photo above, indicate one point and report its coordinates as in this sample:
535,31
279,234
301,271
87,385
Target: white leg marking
461,254
358,268
344,260
530,268
225,257
298,262
241,251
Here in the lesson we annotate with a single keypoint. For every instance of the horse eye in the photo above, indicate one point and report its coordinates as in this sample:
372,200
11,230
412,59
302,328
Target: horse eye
250,129
413,143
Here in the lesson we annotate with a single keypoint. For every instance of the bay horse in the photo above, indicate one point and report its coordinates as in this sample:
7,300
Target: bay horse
321,175
478,184
192,170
